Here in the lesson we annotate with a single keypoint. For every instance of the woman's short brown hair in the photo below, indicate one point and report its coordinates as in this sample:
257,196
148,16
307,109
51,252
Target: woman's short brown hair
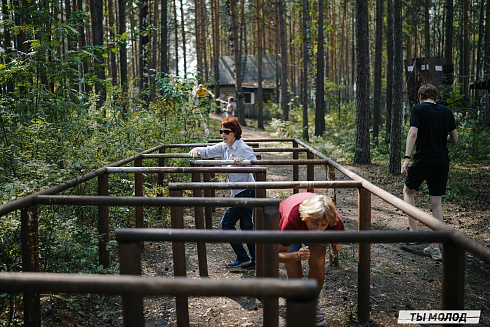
428,91
319,208
234,125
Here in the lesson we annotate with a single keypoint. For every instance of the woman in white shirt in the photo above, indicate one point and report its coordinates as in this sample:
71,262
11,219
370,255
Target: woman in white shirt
233,148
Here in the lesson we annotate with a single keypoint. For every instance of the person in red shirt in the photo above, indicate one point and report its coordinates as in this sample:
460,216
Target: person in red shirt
308,212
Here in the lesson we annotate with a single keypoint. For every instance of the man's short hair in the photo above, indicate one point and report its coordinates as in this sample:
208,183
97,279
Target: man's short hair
428,91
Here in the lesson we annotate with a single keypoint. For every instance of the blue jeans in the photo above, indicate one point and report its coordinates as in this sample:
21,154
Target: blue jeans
244,215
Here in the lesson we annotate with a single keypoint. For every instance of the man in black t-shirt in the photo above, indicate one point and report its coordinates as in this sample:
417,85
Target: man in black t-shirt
432,126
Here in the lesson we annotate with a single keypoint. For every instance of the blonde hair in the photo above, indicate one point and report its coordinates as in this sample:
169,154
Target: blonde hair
319,207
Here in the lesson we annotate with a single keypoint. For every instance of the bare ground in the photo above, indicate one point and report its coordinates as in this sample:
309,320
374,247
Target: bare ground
402,278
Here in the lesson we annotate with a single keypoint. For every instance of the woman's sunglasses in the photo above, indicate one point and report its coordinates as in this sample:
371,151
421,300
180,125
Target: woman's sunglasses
226,131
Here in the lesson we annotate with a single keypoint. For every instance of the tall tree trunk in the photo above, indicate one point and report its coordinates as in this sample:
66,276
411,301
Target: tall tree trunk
216,48
396,113
154,46
182,27
164,37
284,74
260,14
389,68
143,50
123,55
362,153
320,74
304,72
7,42
198,31
465,54
378,68
448,68
204,37
427,73
176,38
112,54
238,63
96,11
230,27
486,64
134,47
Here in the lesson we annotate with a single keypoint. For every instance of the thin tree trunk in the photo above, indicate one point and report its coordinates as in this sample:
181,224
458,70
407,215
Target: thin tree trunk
112,54
396,116
378,68
182,28
362,153
204,37
143,50
486,64
428,77
284,76
98,41
164,37
259,11
123,55
238,63
465,53
448,68
304,72
320,74
7,42
216,48
154,47
176,37
389,69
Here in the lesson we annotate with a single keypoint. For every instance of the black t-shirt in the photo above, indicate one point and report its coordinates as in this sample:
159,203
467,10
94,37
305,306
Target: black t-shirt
434,122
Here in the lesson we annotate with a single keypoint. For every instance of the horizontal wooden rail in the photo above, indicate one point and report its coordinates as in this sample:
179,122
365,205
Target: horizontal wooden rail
300,295
148,286
156,201
202,145
264,185
280,150
266,236
282,162
235,169
261,140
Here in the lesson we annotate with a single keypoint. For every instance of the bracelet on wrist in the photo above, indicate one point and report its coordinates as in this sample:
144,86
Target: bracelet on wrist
406,157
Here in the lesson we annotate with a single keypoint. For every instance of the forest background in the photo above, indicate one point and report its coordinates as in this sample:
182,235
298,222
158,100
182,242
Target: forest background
86,83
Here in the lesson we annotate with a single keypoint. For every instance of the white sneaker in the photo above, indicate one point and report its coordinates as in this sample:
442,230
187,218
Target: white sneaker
435,254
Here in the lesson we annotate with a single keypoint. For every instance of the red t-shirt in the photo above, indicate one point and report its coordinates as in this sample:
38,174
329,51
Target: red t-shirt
290,218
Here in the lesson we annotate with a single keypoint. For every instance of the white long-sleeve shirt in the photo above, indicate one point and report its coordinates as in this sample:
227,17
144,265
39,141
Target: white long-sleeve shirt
238,149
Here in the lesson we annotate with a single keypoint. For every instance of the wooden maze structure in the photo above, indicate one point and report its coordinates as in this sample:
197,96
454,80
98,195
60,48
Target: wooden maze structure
300,295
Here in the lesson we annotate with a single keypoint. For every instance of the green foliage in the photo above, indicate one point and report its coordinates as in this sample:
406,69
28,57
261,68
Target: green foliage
47,138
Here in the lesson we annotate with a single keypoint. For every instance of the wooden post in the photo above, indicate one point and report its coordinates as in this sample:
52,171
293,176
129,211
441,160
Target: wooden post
178,249
103,221
453,274
161,163
310,170
30,263
208,211
130,264
295,167
271,266
331,177
260,254
364,259
138,191
199,219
